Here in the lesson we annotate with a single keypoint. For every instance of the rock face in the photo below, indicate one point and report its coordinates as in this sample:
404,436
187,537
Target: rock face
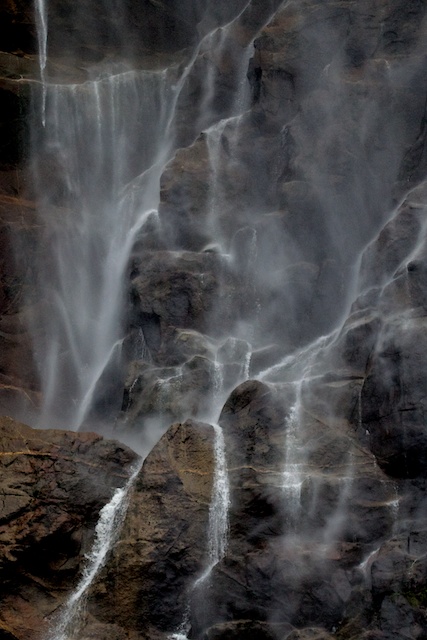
276,285
53,485
306,511
163,545
321,542
297,185
18,229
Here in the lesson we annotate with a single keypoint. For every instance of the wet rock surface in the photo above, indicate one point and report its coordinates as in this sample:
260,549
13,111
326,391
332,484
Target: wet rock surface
53,485
300,215
342,555
145,586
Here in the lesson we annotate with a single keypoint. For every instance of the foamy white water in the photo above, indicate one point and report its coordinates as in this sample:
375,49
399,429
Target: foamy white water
88,128
96,133
219,507
220,503
218,525
293,468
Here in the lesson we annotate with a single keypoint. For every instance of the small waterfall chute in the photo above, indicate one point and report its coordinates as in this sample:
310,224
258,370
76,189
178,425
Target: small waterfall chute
67,624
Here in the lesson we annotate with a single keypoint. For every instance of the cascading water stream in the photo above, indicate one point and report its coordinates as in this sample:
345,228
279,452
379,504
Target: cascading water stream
218,510
217,525
90,252
94,134
41,21
293,473
107,530
220,502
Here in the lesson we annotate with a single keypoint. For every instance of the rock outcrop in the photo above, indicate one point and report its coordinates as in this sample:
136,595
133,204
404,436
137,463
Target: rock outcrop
321,542
53,485
289,246
292,189
163,547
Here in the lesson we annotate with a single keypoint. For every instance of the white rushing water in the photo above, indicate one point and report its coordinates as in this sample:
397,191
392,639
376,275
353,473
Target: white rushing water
90,250
219,507
218,525
293,473
218,511
95,135
111,517
41,22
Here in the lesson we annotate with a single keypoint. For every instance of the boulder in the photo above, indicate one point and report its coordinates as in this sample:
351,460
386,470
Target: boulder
307,503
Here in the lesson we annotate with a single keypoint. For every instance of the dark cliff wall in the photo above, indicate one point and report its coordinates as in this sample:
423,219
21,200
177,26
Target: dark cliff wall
326,170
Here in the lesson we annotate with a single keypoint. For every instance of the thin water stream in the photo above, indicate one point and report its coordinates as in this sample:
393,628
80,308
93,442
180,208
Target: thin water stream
218,525
42,30
66,625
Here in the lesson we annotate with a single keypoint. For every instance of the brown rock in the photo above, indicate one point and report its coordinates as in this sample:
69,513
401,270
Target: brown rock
18,232
289,558
163,545
53,484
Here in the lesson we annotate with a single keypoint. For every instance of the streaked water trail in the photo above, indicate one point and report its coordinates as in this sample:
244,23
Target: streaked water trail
107,530
42,31
218,525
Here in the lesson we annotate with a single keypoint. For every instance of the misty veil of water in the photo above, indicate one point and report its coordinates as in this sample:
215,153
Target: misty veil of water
94,133
105,134
87,133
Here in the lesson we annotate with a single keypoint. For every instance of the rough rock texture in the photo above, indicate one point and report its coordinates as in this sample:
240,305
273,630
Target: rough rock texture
53,485
295,551
163,543
340,555
298,184
18,378
302,164
298,214
151,25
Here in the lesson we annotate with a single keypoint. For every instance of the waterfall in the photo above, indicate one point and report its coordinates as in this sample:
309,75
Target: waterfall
293,473
90,250
217,524
41,22
218,510
143,352
107,140
246,366
212,192
107,530
211,184
218,385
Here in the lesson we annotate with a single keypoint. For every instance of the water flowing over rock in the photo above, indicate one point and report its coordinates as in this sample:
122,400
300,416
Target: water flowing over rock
214,215
163,546
53,485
